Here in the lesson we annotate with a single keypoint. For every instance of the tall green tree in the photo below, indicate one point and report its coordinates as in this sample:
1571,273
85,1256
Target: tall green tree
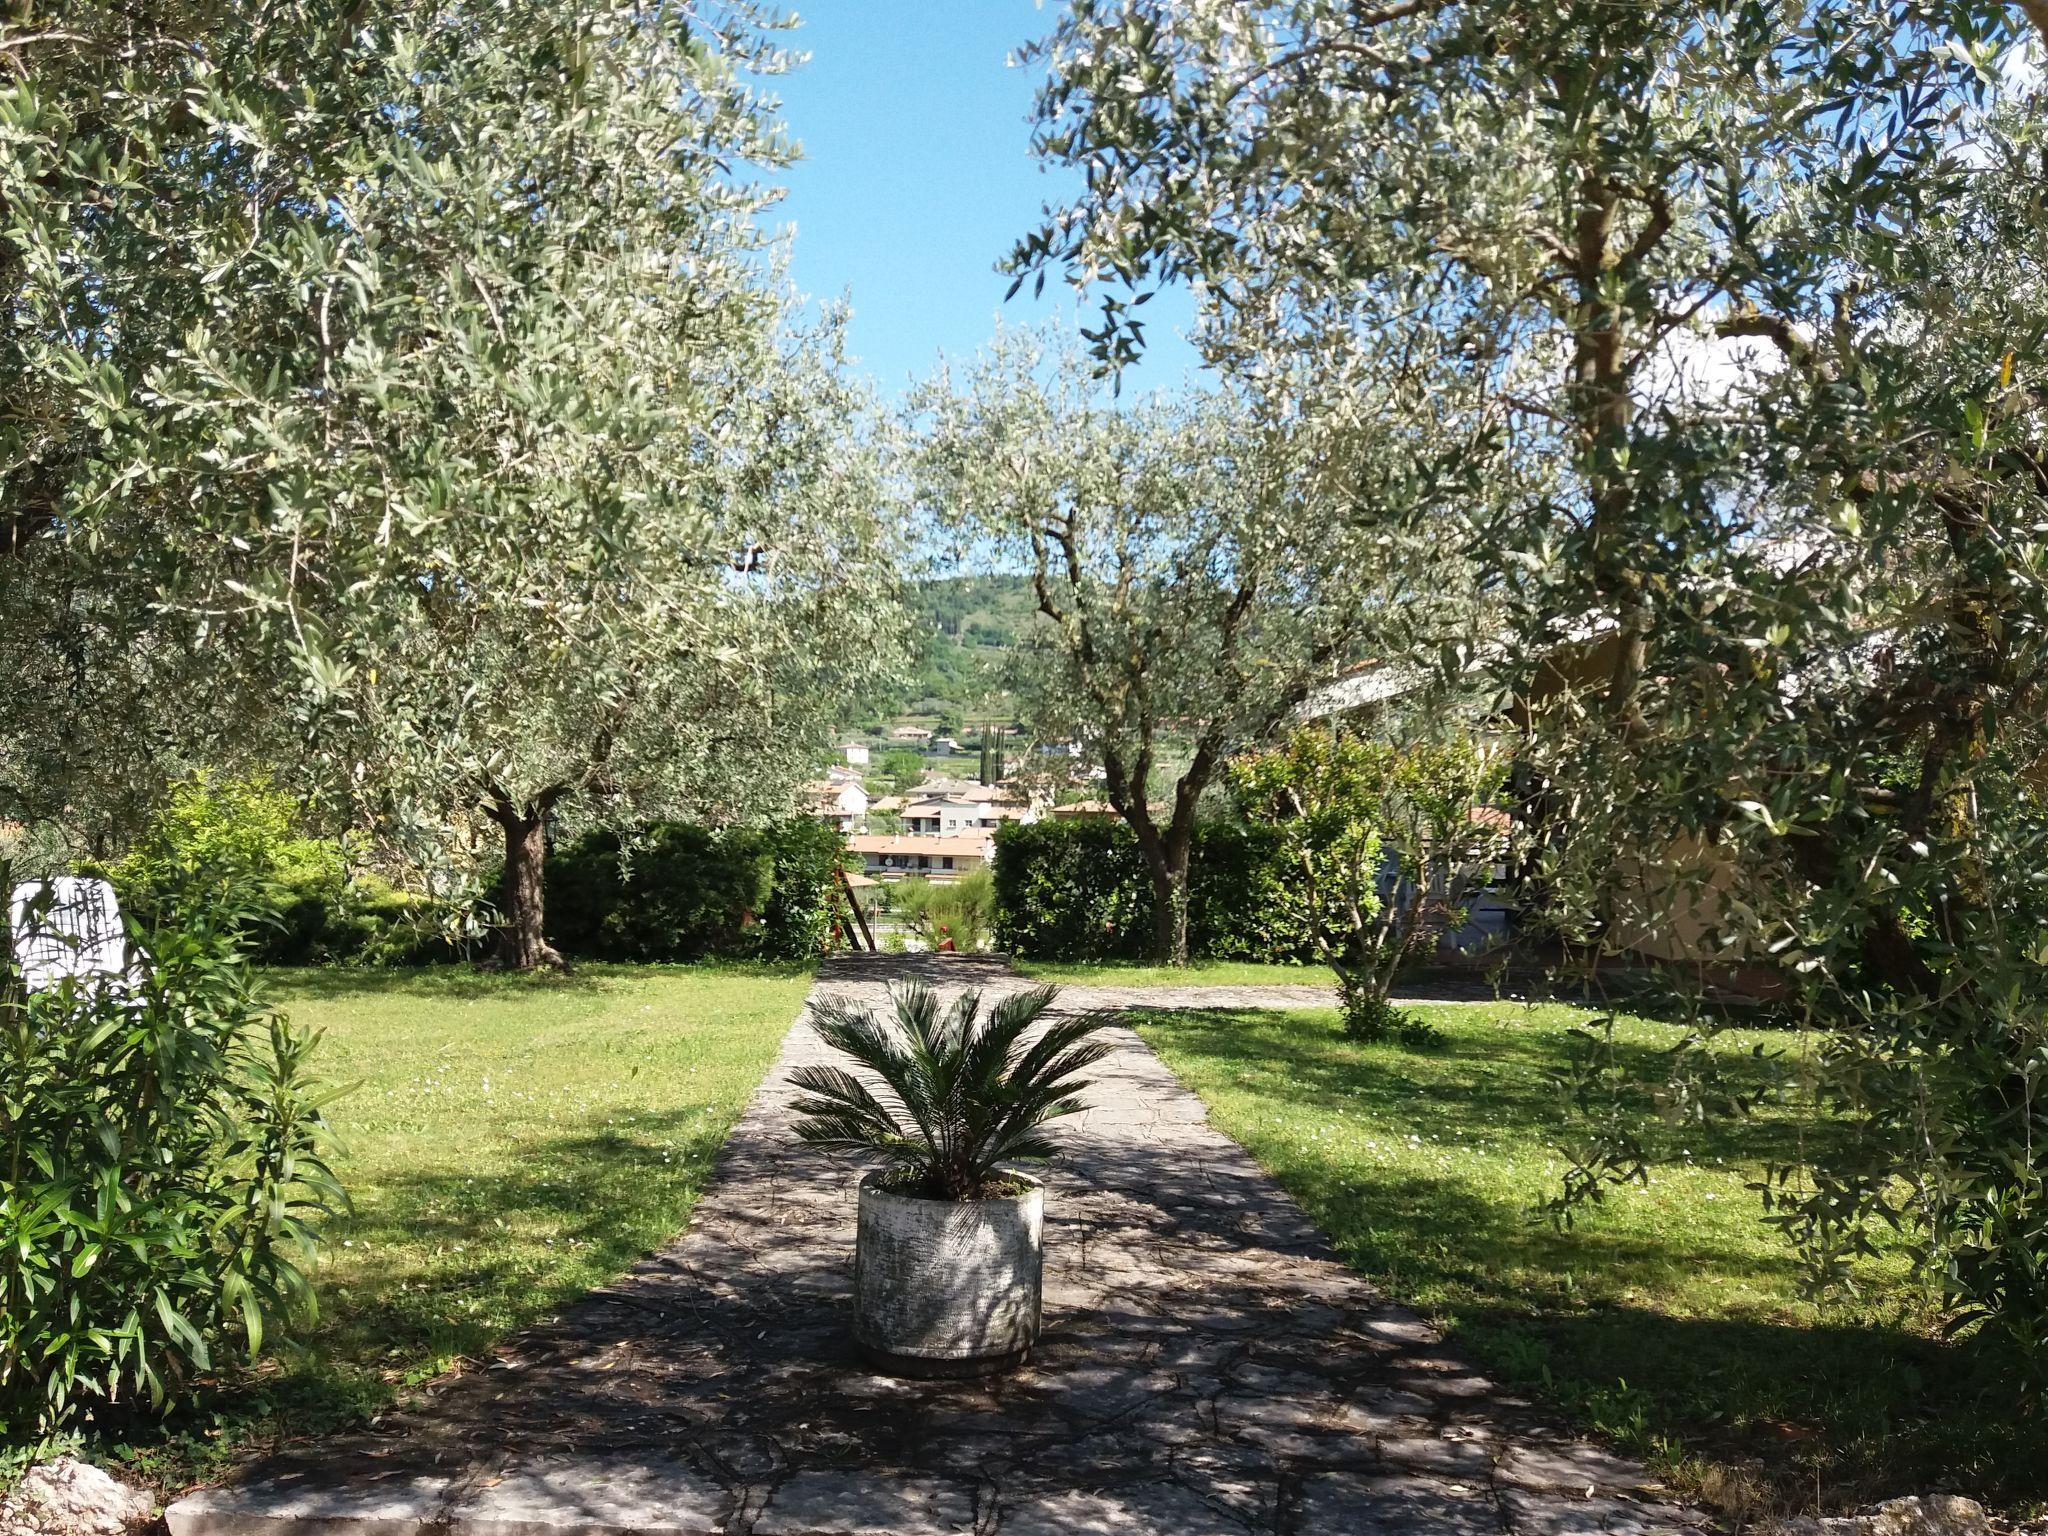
480,446
1200,567
1756,290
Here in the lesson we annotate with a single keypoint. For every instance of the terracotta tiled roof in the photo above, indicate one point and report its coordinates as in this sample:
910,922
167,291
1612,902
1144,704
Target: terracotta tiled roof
974,846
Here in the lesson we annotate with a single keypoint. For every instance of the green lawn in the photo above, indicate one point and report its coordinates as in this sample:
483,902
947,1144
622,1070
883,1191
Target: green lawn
512,1142
1203,973
1670,1317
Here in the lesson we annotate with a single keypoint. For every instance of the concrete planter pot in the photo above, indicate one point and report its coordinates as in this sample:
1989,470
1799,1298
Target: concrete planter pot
948,1287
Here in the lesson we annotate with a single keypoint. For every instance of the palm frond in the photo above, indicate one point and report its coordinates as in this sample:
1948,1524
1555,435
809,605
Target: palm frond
1066,1046
973,1096
992,1055
832,1091
884,1052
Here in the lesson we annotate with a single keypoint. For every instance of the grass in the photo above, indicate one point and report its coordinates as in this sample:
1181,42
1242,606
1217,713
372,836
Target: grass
512,1142
1203,973
1670,1317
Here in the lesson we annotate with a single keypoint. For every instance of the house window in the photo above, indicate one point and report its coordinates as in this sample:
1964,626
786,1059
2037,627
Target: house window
946,862
924,861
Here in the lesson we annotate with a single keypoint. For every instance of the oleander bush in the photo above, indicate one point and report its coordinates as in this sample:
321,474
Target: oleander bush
165,1178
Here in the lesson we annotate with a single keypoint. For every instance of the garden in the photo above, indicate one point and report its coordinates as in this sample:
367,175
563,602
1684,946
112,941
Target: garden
1570,646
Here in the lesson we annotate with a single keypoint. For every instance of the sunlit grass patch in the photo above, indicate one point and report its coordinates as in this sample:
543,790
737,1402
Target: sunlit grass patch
1669,1317
510,1142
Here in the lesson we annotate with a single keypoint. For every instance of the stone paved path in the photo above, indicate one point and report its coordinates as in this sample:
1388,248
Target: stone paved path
1207,1369
1199,997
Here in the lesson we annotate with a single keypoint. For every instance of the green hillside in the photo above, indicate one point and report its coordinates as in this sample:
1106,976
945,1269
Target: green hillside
968,628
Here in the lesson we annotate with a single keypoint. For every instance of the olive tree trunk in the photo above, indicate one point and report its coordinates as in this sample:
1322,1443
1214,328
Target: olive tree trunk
1166,859
522,936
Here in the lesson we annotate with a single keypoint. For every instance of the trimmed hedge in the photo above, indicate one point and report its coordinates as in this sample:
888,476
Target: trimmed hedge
1076,888
684,892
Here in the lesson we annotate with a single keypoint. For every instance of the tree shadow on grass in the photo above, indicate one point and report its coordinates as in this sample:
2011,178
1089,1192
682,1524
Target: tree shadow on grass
396,1317
1839,1413
462,983
607,1196
1845,1402
465,983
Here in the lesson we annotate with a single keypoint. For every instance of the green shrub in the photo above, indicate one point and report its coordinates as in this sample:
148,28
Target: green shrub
1076,888
681,892
163,1173
1237,896
1071,888
236,845
374,923
960,911
804,897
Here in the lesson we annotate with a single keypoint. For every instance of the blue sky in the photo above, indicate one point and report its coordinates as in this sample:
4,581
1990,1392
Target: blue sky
918,176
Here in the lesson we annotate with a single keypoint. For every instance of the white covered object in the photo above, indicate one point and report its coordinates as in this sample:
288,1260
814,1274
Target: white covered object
69,925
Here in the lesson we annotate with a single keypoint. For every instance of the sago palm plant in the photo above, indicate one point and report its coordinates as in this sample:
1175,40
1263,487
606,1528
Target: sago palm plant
964,1090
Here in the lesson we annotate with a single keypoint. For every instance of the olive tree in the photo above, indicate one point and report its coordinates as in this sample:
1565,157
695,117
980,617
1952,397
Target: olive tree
478,448
1763,283
1200,565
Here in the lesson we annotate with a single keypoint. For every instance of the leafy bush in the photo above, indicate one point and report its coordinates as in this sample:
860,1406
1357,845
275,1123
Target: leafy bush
1075,888
238,845
163,1174
1238,906
958,911
683,892
804,896
678,893
375,923
1071,888
1348,812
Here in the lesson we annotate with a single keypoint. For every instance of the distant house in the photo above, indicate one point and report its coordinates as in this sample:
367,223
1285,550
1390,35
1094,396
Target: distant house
939,859
995,813
952,815
1008,796
844,805
916,734
946,744
855,753
1084,808
941,817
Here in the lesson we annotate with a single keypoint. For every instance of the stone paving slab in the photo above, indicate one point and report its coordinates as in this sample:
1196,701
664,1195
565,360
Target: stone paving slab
1208,1368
